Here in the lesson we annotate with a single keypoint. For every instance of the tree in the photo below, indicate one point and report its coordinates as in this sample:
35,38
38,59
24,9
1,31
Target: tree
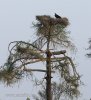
28,98
89,48
51,35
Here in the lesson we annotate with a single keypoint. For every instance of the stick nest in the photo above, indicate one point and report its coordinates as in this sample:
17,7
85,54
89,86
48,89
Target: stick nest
47,20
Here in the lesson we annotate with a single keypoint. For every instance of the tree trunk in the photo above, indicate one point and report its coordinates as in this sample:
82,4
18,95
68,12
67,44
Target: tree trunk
48,68
48,78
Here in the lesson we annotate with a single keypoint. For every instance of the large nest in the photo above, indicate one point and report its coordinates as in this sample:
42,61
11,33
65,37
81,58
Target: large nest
47,20
53,28
48,26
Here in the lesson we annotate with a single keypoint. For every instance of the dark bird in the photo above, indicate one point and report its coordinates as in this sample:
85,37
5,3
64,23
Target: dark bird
57,16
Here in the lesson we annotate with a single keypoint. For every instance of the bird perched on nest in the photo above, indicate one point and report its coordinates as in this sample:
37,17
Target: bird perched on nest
57,16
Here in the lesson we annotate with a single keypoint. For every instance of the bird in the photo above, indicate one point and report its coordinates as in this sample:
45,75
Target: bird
57,16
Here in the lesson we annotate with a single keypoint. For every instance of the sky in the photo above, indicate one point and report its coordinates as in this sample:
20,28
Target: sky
16,17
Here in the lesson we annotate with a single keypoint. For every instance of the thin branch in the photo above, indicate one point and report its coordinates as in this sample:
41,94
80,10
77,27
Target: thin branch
39,70
23,43
59,52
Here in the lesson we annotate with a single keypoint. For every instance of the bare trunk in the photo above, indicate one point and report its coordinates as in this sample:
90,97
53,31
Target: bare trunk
48,78
48,68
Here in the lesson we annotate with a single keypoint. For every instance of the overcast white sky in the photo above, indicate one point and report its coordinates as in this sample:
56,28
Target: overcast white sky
16,17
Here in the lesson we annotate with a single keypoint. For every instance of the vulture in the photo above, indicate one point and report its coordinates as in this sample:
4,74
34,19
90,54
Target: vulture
57,16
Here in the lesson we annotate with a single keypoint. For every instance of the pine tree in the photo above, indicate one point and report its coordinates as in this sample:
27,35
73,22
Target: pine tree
52,37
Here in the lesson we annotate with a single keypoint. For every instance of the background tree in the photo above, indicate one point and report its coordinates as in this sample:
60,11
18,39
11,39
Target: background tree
89,48
48,47
28,98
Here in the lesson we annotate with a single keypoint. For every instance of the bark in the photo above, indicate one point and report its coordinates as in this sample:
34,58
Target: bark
48,68
48,78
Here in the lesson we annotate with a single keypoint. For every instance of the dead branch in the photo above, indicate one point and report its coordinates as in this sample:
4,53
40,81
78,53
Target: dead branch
39,70
59,52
